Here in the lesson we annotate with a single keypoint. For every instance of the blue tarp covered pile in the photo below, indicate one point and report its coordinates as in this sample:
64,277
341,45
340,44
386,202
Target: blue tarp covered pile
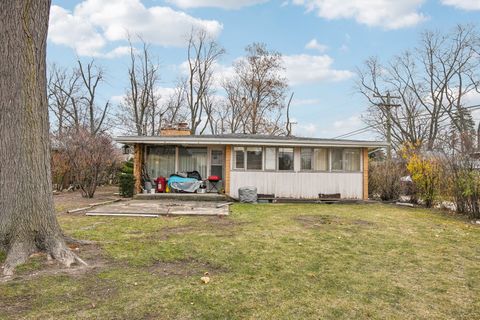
184,184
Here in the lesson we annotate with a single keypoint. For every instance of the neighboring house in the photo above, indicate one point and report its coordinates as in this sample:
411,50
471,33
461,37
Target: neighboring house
287,167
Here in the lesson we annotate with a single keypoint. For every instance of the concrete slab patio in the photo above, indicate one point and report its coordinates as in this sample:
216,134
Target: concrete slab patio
155,208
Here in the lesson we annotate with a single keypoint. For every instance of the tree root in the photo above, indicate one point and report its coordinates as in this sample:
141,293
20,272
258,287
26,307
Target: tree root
19,253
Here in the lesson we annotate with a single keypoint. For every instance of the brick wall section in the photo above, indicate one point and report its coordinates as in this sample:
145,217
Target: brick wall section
138,166
228,166
175,132
365,173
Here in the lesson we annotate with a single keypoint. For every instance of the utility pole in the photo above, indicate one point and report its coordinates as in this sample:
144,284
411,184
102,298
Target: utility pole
388,109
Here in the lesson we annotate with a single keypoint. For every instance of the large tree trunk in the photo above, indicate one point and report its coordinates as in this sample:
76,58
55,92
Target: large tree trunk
27,216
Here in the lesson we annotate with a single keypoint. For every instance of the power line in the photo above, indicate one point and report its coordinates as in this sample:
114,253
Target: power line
367,128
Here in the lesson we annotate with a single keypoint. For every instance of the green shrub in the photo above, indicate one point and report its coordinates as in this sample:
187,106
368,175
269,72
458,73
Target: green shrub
127,184
127,180
128,167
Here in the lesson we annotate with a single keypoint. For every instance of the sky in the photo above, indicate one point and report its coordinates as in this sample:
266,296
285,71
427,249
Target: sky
322,43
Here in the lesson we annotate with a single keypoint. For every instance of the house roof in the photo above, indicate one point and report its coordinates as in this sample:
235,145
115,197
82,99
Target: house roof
248,140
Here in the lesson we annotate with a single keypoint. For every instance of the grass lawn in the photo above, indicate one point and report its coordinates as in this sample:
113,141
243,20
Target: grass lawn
264,262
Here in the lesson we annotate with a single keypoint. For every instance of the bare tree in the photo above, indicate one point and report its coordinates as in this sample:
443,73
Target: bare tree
257,91
27,218
91,76
432,82
202,55
175,109
234,111
140,111
90,158
63,88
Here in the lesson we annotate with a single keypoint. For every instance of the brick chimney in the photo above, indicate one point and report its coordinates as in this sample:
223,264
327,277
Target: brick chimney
179,129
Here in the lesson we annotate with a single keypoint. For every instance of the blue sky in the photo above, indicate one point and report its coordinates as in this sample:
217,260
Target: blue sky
322,41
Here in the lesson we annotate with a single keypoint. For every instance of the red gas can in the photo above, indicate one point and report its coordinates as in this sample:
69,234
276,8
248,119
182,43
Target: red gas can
161,184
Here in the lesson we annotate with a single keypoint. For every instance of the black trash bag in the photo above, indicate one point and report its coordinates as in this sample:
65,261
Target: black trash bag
194,174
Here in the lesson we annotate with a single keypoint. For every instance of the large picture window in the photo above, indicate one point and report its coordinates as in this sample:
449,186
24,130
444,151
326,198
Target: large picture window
352,159
160,161
314,159
193,159
345,159
285,159
254,158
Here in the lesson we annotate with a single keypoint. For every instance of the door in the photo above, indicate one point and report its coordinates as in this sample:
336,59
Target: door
216,163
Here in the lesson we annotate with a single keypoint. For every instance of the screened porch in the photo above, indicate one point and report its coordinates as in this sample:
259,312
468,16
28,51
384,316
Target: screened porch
165,160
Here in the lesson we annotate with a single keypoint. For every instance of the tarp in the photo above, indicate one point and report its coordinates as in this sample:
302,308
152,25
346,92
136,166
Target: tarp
184,184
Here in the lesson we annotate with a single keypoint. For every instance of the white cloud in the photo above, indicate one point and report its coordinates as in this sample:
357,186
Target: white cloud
315,45
117,52
221,72
299,69
95,23
305,102
224,4
348,124
463,4
74,31
305,129
389,14
304,69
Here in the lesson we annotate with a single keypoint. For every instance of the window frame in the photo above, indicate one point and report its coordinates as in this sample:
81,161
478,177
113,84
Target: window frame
293,159
234,159
360,164
261,161
312,151
343,160
328,160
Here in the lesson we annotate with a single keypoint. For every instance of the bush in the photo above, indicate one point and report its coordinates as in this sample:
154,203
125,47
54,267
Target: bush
127,180
463,185
426,174
384,179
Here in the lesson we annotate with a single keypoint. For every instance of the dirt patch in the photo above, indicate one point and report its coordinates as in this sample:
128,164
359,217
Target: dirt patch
69,200
166,232
92,254
16,305
185,268
223,222
312,221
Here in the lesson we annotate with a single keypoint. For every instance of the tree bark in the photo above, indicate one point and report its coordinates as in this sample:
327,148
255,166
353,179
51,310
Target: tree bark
27,217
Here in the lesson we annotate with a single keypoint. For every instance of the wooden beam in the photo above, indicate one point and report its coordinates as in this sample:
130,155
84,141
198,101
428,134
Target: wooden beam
228,166
365,173
138,166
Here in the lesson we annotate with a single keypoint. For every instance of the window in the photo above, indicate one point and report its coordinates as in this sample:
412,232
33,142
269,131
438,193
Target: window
270,158
160,161
254,158
351,159
320,159
285,158
239,158
306,158
314,159
345,159
193,159
337,159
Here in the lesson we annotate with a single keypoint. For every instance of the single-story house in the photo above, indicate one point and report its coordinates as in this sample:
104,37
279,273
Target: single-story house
286,167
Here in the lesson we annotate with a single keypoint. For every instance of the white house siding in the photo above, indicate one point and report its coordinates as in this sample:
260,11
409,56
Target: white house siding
299,184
